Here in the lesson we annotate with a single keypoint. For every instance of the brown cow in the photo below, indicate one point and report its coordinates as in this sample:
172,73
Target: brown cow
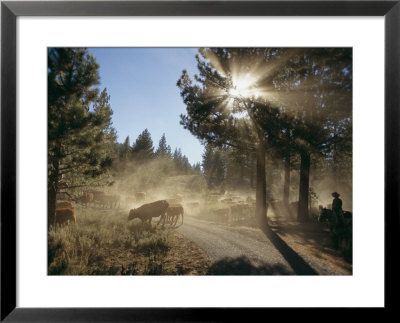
86,199
150,210
63,204
173,213
65,215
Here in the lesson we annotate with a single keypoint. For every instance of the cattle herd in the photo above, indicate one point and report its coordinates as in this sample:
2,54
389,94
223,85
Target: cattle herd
231,208
219,207
168,211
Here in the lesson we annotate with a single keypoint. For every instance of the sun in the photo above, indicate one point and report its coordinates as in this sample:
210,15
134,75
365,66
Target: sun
244,86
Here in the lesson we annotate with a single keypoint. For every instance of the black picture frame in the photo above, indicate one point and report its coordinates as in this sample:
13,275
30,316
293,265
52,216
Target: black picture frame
10,10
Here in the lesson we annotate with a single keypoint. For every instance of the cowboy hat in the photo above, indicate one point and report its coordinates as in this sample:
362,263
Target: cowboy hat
335,194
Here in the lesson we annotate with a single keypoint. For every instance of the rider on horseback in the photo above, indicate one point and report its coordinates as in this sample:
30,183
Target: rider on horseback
337,208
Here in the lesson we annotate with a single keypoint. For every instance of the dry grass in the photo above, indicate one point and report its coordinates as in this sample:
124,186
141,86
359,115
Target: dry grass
104,242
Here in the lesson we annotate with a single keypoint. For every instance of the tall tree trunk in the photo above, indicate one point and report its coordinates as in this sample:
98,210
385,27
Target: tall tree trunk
51,205
261,194
52,189
302,215
286,184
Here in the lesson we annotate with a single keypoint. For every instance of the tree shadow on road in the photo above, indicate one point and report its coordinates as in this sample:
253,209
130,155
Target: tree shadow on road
298,264
243,266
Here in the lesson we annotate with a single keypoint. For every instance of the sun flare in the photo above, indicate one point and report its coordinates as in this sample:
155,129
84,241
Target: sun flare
244,86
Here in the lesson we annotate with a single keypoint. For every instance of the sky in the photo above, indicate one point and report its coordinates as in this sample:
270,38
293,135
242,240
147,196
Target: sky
141,83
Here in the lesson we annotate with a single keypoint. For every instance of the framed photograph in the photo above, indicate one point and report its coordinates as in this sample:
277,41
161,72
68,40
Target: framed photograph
197,160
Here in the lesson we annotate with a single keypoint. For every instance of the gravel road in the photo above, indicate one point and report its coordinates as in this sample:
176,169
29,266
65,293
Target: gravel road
235,250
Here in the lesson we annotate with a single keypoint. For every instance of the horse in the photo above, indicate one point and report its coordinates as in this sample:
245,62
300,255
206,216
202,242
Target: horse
327,215
341,230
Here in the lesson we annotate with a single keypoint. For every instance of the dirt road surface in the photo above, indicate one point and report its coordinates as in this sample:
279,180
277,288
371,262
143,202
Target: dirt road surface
242,250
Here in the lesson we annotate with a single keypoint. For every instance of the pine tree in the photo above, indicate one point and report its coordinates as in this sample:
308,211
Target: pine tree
163,149
143,147
80,133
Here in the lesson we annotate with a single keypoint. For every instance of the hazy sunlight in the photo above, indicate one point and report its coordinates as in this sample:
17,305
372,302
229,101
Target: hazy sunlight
244,86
